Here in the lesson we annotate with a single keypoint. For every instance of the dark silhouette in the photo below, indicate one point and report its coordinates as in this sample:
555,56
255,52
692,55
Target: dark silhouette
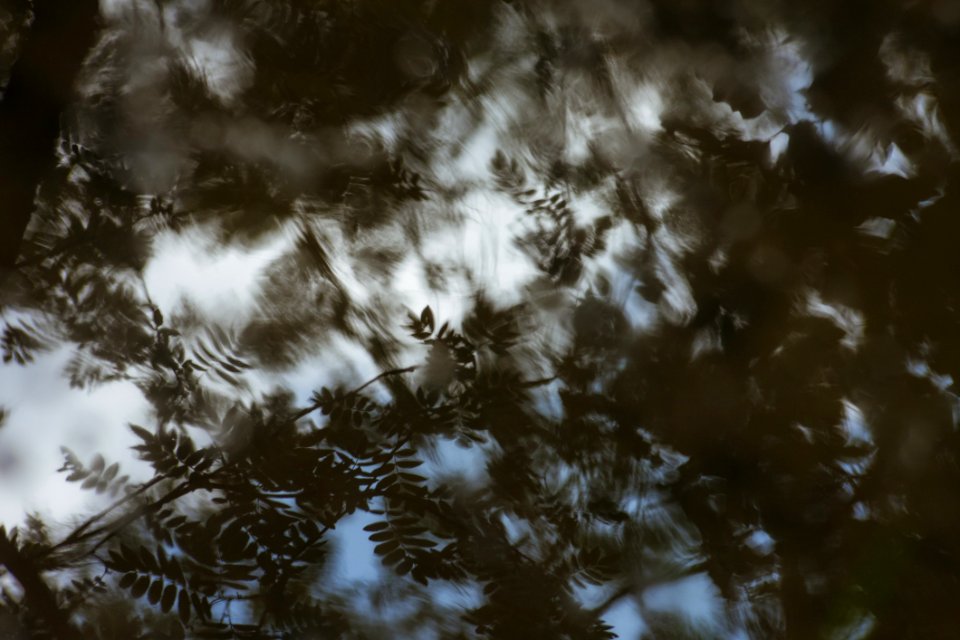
733,359
38,90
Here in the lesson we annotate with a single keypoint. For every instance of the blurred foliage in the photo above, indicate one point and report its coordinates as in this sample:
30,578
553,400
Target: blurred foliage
719,345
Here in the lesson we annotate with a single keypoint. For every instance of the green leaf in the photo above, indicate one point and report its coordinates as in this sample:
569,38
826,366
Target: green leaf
376,526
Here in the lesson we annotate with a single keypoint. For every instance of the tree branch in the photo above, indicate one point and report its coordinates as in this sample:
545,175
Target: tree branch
392,372
37,594
76,534
179,491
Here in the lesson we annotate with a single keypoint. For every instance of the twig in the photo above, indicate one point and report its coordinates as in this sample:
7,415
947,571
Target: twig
76,534
180,490
392,372
285,573
385,374
530,384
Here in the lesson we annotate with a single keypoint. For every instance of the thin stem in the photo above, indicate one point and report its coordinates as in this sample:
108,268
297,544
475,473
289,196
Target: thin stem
76,534
537,383
385,374
392,372
180,490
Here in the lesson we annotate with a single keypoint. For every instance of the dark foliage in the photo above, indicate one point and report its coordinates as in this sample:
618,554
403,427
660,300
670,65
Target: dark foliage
728,363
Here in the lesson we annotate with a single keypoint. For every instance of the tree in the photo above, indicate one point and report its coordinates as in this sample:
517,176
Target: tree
733,358
36,94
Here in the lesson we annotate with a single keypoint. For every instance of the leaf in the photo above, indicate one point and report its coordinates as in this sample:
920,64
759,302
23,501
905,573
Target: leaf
183,606
116,561
419,542
98,463
201,605
413,531
387,482
381,470
156,589
142,433
383,535
148,560
110,473
175,571
168,598
376,526
127,580
386,547
185,449
394,557
426,318
129,556
310,529
140,586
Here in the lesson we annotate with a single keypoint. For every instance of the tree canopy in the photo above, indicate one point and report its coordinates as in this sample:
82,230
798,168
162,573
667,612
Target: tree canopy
595,299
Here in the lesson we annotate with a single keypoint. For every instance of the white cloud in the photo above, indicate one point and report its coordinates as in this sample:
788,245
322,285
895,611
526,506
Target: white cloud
45,414
695,599
221,282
